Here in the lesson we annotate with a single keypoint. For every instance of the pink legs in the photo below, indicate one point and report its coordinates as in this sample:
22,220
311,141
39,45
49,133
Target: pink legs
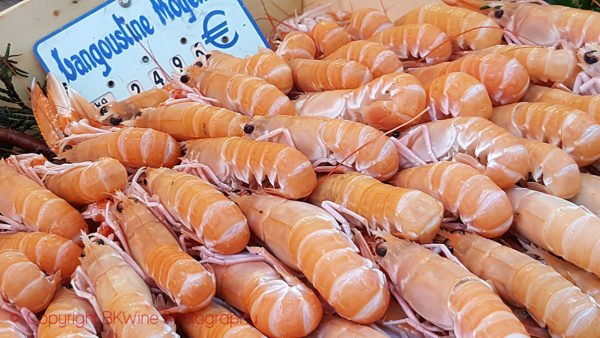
11,225
337,210
586,85
203,171
406,153
412,319
437,248
284,132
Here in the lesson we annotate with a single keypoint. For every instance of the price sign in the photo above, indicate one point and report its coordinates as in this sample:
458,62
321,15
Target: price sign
124,47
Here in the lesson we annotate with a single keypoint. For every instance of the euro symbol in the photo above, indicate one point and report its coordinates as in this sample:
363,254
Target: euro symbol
211,35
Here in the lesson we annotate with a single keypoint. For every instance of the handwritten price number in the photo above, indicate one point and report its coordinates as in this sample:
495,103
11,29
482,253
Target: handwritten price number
198,49
135,87
157,77
177,63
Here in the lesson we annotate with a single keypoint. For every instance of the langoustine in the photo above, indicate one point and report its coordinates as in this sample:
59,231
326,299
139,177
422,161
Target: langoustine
24,284
333,326
573,130
321,25
589,195
384,103
297,45
377,57
306,238
76,140
366,22
330,74
544,65
570,69
23,200
406,213
329,142
215,320
69,315
115,289
547,220
265,64
193,206
546,25
549,26
586,103
445,293
549,298
57,116
329,36
52,253
416,41
238,92
134,147
586,281
158,253
13,325
553,170
231,162
114,113
191,120
472,140
457,94
468,29
505,79
84,182
278,303
78,183
482,205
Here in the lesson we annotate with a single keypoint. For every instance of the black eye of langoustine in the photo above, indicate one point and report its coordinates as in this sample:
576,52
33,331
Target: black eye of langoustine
499,13
248,129
381,249
184,78
590,57
115,120
120,207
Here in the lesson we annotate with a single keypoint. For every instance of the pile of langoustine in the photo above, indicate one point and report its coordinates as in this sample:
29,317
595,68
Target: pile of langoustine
444,200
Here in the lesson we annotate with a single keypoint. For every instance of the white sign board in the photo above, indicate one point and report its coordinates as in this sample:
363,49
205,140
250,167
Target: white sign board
123,47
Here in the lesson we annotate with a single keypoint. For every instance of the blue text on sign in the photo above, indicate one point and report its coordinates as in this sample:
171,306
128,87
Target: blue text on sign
98,53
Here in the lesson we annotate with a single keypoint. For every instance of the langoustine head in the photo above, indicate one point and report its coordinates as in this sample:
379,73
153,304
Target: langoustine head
588,57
